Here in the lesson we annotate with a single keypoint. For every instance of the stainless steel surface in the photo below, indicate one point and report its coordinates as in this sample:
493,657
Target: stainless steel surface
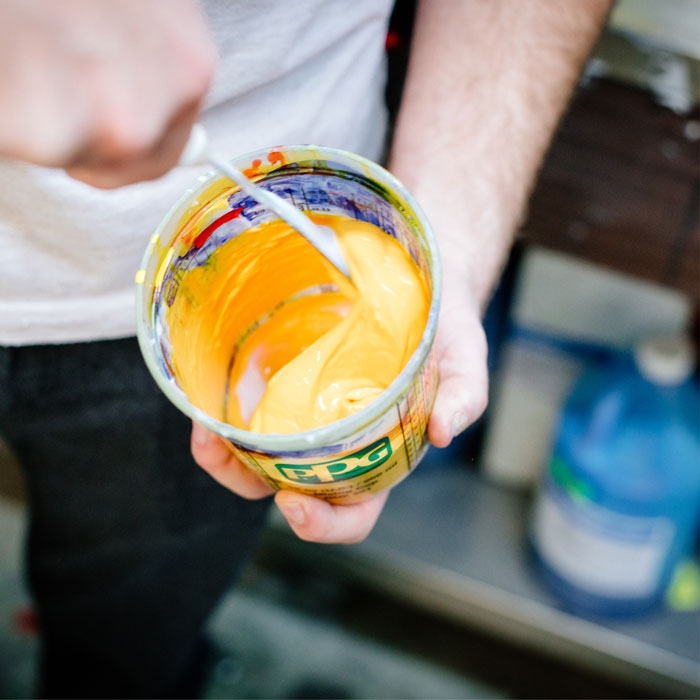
452,543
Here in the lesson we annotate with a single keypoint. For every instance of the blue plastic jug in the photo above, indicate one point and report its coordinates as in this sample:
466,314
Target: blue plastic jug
619,504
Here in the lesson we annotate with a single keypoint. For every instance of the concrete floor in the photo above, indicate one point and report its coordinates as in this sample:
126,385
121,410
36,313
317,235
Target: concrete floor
279,652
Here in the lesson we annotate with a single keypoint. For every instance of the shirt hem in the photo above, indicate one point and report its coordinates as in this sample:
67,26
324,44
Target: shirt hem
67,321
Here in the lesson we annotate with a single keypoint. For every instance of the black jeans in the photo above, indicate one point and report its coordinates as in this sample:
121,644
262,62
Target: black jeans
130,544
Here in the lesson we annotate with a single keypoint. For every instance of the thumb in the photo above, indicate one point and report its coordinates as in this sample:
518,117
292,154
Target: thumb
463,377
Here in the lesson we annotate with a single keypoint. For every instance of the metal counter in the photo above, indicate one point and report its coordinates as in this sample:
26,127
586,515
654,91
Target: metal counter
454,544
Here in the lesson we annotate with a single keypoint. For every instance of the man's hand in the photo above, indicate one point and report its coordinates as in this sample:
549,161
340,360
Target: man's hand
107,90
311,518
462,392
461,350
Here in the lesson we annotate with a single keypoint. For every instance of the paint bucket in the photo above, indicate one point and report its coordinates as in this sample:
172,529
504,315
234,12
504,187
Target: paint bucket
352,458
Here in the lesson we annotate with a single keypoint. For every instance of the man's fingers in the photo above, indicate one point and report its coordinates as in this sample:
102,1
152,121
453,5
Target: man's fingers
463,378
311,518
111,85
315,520
210,453
154,163
459,402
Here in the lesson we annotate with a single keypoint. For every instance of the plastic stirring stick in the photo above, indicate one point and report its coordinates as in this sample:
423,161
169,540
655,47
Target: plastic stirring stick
322,238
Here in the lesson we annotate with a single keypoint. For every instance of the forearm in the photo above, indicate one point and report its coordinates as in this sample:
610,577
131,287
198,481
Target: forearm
486,85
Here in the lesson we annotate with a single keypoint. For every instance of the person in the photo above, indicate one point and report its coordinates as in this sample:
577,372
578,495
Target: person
130,545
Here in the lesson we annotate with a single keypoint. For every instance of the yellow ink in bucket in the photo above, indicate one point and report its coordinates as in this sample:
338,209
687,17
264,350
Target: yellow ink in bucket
232,297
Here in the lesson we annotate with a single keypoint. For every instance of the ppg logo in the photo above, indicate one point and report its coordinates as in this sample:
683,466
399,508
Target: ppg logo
339,469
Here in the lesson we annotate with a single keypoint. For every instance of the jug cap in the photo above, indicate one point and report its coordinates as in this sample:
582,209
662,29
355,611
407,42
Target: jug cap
666,360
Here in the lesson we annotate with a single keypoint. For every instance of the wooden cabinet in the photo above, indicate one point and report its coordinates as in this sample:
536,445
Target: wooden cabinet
619,187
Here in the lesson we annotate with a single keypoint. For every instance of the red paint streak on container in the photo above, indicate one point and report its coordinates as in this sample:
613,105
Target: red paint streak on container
204,235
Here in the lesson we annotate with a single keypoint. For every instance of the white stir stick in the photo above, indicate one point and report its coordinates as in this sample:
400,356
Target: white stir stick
322,238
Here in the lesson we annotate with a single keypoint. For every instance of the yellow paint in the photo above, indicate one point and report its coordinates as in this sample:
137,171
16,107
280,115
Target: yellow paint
314,357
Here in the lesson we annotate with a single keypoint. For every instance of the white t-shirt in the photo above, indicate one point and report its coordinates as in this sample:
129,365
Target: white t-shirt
290,71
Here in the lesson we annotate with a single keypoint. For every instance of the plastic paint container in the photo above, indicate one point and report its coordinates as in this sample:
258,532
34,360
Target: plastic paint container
354,457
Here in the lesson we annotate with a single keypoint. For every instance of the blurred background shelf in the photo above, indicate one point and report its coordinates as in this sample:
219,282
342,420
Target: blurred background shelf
619,186
451,543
